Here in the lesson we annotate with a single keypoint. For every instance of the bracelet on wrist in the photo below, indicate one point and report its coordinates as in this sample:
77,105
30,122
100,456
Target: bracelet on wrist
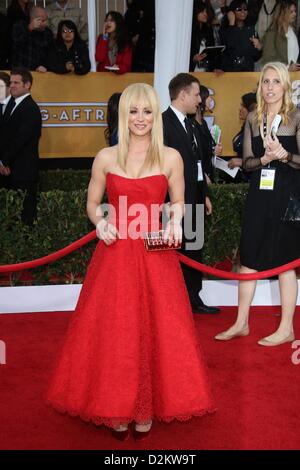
105,37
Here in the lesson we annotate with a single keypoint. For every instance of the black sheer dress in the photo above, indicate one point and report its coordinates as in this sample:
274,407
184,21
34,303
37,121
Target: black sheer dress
266,241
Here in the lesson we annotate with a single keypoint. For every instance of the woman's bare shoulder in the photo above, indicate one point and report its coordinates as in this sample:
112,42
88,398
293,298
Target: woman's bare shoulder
106,157
171,155
172,161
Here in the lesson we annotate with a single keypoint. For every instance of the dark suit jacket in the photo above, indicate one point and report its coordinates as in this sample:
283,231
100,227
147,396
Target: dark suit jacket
207,147
195,191
176,137
19,141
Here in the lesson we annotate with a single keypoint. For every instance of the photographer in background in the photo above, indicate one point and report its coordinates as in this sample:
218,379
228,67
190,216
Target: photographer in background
69,52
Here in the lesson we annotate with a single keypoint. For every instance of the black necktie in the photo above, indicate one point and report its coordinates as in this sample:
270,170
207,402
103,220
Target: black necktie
190,133
1,110
9,107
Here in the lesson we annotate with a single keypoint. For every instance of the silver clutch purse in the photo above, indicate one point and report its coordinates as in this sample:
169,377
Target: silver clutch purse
154,241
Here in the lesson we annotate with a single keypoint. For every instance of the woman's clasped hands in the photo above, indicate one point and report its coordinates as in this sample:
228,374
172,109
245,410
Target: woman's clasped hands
274,149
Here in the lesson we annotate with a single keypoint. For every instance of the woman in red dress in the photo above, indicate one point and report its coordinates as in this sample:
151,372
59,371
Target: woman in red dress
113,49
131,352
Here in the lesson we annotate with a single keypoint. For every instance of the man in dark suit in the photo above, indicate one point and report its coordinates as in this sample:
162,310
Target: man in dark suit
181,134
4,98
20,133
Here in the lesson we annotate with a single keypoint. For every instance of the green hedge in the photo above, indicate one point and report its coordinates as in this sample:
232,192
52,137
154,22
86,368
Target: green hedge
223,227
62,219
66,180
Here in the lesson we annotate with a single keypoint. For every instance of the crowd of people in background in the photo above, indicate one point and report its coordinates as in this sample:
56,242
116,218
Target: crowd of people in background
41,40
252,32
55,38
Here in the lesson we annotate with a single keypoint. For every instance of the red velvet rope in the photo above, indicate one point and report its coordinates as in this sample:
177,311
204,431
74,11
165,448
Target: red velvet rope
183,259
49,258
235,276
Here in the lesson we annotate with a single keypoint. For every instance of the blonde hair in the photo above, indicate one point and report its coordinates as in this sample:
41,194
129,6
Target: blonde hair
287,104
130,96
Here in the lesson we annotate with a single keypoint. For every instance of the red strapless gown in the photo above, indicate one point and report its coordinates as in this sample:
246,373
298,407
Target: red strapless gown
131,353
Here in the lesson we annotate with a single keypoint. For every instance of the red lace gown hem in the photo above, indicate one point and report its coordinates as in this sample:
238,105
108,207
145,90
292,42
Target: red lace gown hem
113,422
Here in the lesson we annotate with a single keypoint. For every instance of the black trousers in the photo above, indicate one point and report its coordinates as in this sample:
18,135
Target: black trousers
192,277
29,212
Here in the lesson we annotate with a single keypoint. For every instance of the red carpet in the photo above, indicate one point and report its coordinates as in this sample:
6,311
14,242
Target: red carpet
256,390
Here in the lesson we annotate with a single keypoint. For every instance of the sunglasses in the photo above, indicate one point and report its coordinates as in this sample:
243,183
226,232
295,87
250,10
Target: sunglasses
65,30
241,9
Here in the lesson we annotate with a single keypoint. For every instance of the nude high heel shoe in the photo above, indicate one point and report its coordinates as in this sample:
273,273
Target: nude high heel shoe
141,431
224,336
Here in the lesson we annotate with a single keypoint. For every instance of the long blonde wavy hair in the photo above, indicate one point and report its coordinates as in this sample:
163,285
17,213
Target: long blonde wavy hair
287,104
131,96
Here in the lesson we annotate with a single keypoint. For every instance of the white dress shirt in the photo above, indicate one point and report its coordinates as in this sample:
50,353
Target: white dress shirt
293,47
180,116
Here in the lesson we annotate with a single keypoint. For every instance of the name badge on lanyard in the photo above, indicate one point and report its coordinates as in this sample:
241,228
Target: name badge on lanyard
200,172
267,179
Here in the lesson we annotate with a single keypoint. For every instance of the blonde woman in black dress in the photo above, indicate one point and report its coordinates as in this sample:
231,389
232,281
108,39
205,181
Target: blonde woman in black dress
266,241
